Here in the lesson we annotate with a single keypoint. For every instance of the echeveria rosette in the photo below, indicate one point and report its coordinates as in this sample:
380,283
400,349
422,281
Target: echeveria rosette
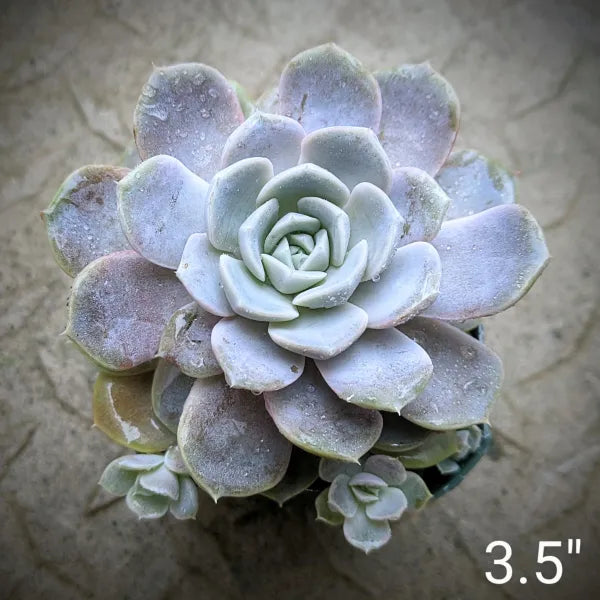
364,498
282,277
153,484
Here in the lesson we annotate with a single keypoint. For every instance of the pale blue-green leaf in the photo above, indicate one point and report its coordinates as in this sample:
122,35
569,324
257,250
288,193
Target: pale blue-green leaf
373,218
199,273
330,468
365,534
318,259
391,505
300,181
420,116
174,461
289,223
250,359
275,137
416,491
324,513
161,203
340,282
170,388
421,201
390,469
448,466
334,220
367,480
474,183
139,462
466,377
382,370
232,199
252,234
353,154
187,111
82,221
299,259
249,297
161,481
186,505
268,101
326,86
408,286
303,240
340,498
399,435
489,262
438,446
288,280
321,333
310,415
117,480
147,507
283,254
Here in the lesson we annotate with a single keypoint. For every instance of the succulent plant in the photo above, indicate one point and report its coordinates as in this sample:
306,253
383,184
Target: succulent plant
365,497
292,273
153,484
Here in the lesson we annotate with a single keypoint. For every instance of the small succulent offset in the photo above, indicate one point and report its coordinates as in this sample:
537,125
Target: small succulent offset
284,280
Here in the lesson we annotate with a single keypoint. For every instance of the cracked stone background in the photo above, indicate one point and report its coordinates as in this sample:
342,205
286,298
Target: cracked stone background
528,75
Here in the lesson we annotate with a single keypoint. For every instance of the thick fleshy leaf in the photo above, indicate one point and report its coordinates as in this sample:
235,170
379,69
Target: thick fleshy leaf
228,442
275,137
187,111
326,86
119,306
252,235
324,513
304,241
353,154
199,273
367,480
340,497
249,297
170,388
117,480
408,286
139,462
161,203
318,259
250,359
420,116
185,342
435,448
186,505
334,220
174,461
466,377
283,253
474,183
421,201
330,468
290,222
416,491
243,97
366,534
391,505
82,220
373,218
147,507
399,435
232,198
340,283
383,370
301,474
122,410
391,470
300,181
489,261
288,280
161,482
310,415
448,466
321,333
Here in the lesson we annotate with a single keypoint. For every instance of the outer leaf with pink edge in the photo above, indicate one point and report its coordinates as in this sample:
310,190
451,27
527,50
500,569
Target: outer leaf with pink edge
420,115
312,417
228,442
161,203
326,86
82,220
383,370
119,307
496,255
466,377
187,111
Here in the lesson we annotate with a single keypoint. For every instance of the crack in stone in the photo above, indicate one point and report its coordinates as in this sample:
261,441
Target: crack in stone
569,210
4,468
578,345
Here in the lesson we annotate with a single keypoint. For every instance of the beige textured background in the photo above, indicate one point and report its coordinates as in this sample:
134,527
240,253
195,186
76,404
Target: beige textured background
528,75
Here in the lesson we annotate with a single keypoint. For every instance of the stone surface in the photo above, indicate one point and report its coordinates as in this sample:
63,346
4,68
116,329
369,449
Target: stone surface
528,75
